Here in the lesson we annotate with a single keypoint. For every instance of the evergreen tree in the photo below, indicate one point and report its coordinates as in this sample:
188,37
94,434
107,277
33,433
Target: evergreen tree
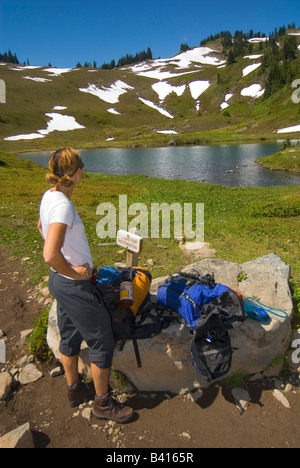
230,57
184,47
8,57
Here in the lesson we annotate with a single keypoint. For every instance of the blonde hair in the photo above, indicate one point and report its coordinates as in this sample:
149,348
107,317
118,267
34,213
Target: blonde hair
63,164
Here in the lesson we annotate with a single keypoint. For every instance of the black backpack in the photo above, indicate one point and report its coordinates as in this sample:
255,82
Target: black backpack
125,324
211,348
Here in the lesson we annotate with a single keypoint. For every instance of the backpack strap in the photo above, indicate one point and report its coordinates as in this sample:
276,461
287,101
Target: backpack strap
208,280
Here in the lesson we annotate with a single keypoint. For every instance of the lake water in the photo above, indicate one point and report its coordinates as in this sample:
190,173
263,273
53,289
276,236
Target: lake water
230,165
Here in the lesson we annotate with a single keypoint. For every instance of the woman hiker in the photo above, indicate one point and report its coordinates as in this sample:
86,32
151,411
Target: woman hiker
79,311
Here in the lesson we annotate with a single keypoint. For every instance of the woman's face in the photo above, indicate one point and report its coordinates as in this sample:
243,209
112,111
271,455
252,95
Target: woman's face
78,176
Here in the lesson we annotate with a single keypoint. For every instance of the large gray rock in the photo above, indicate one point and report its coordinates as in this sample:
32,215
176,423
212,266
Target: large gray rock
166,360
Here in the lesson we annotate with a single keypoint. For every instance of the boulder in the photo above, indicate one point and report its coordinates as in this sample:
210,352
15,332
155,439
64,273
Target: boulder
19,438
166,359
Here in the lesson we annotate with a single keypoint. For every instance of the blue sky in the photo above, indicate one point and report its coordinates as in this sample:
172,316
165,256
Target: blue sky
64,32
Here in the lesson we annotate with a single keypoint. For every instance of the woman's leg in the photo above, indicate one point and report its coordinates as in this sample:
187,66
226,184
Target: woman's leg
70,365
100,378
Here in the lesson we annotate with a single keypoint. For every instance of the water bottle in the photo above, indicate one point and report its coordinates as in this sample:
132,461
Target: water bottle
126,294
255,312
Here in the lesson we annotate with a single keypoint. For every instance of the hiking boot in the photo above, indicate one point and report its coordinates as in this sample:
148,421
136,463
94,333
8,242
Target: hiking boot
108,407
80,392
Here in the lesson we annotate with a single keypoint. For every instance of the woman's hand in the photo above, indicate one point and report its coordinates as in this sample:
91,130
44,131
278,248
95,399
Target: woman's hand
84,271
54,257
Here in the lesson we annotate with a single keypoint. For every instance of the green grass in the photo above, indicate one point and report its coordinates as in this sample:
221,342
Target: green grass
240,223
287,159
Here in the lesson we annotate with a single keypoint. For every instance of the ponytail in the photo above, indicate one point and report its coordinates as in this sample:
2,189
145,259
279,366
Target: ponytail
63,165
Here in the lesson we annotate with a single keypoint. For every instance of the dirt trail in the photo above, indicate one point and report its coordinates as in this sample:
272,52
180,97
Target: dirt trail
162,421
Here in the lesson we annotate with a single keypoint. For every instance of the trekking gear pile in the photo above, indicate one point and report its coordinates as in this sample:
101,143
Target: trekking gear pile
125,323
209,310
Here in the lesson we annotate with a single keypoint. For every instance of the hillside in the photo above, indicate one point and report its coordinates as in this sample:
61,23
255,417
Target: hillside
193,97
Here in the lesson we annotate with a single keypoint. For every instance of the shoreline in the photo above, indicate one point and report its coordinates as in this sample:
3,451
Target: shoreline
287,160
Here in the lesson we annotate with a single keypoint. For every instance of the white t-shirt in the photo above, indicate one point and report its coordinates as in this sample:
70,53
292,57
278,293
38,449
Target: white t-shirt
57,208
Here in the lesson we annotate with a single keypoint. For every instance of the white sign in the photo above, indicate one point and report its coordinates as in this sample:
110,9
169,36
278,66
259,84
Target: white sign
130,241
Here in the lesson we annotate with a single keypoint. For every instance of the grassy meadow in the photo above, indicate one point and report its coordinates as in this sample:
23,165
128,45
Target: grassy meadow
240,223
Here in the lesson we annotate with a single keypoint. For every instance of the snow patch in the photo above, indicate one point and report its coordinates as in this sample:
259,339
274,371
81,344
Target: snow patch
111,94
113,111
28,136
258,39
162,75
40,80
228,96
61,123
59,71
253,57
154,106
250,68
295,128
163,89
198,55
253,91
198,87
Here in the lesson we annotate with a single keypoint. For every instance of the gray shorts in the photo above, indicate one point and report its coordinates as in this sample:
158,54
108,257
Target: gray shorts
82,316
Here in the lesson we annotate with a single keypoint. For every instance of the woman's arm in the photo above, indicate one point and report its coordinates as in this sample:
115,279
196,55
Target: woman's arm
53,256
40,227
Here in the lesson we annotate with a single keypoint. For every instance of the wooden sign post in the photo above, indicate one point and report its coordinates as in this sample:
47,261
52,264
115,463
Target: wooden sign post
133,243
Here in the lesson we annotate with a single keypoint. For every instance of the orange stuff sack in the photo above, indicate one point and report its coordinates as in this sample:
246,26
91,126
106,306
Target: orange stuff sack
141,287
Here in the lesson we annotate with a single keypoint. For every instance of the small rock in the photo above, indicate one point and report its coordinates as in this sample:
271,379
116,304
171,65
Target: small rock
196,395
280,397
29,373
5,384
87,413
45,292
241,397
56,371
25,334
22,361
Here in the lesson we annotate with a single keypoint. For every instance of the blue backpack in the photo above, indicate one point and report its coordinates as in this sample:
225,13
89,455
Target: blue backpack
210,310
187,294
